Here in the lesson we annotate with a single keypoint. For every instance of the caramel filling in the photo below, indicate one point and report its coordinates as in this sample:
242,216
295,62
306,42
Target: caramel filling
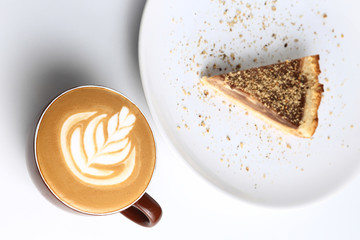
219,82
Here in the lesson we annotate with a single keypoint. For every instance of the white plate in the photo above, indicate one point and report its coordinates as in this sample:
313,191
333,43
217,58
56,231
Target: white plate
182,40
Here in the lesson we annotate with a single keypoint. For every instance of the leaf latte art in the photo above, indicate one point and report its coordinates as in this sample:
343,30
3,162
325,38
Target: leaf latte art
97,148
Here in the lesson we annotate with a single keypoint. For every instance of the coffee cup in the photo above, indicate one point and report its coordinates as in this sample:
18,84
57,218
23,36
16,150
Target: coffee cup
96,153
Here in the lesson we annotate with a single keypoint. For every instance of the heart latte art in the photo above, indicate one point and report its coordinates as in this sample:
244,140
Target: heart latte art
97,148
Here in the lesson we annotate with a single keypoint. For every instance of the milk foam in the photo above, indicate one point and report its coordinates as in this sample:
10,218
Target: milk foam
97,149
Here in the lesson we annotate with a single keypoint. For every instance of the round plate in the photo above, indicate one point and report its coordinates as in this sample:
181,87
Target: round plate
180,41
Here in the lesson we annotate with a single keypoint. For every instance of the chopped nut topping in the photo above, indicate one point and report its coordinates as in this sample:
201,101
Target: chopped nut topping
280,87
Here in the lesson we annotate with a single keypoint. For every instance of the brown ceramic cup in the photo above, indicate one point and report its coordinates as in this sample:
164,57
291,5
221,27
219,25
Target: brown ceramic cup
96,153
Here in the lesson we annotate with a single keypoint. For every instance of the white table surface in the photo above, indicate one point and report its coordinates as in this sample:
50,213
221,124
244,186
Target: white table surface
47,47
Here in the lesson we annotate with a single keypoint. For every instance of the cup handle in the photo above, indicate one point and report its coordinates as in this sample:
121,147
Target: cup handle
145,212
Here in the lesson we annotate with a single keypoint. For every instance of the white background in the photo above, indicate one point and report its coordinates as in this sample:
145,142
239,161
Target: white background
47,47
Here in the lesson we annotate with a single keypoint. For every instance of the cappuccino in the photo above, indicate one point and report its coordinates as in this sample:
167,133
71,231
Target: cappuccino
95,150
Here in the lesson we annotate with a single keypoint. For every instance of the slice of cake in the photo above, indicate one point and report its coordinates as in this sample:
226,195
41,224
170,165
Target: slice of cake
287,94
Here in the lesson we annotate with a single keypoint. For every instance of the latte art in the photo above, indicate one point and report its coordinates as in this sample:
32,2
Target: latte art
95,150
96,147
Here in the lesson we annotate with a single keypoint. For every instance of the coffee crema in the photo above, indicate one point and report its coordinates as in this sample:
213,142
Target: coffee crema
95,150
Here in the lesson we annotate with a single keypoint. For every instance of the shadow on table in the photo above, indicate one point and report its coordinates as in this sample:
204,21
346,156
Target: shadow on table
50,81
